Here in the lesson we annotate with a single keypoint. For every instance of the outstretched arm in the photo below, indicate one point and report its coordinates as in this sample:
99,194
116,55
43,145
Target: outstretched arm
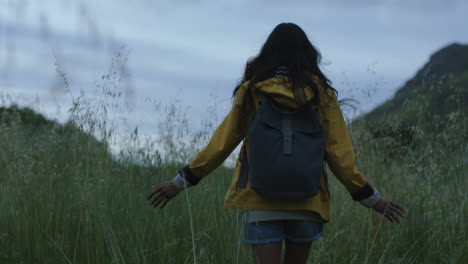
340,157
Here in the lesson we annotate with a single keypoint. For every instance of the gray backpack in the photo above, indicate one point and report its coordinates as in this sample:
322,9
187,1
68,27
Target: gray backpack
286,152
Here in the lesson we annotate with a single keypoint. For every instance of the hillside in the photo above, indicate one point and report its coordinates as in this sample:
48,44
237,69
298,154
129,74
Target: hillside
439,89
25,134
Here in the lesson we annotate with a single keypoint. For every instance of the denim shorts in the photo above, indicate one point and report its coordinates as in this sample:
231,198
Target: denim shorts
276,230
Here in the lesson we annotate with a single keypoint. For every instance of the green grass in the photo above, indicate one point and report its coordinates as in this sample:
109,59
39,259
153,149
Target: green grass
65,199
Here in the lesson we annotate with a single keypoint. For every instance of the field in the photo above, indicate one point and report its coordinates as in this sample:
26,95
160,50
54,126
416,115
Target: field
65,199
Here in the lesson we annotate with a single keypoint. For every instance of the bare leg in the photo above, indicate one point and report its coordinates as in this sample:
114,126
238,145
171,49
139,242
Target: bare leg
267,253
296,253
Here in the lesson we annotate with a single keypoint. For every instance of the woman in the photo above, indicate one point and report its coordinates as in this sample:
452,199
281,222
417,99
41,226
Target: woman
287,71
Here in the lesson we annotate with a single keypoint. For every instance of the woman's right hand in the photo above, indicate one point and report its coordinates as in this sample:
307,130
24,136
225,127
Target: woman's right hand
392,211
163,192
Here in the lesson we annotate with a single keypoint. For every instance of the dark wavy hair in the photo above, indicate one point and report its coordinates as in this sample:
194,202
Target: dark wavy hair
286,46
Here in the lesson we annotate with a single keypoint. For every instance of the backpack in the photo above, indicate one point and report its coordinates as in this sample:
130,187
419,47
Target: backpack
286,152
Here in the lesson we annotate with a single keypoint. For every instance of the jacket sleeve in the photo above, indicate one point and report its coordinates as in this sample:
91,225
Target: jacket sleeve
339,152
224,140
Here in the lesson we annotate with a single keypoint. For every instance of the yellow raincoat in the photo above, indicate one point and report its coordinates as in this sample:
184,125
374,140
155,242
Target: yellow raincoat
339,153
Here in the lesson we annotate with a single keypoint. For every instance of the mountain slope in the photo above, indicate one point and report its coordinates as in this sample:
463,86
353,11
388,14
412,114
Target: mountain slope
439,88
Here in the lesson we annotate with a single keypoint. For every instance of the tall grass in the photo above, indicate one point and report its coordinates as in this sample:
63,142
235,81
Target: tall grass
65,199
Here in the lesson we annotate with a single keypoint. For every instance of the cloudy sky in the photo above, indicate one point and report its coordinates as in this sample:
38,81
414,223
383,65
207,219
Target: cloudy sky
192,52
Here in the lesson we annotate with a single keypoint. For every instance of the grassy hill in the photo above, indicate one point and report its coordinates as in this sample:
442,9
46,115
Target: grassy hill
438,90
430,107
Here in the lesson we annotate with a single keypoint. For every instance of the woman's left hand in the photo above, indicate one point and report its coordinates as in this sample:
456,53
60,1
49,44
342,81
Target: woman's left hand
392,211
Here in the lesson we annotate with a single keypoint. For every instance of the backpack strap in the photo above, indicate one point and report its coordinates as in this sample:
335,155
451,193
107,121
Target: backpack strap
287,136
244,169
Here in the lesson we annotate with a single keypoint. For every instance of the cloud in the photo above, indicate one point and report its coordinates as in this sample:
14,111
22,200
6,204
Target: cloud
189,49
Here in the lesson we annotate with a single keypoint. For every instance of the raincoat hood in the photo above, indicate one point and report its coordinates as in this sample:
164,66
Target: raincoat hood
282,93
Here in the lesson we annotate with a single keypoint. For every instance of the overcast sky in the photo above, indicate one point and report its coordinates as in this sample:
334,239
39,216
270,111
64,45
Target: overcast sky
195,50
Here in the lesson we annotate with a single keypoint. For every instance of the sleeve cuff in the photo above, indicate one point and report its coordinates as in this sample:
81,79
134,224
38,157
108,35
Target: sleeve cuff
365,192
187,174
372,200
179,182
